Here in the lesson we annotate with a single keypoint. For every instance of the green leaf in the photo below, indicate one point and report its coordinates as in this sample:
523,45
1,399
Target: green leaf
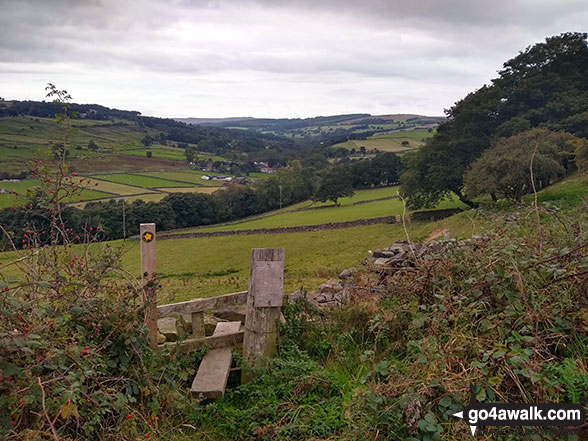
381,368
445,402
68,410
430,418
9,369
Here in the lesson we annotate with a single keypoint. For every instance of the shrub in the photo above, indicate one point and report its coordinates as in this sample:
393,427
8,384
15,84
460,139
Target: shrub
75,361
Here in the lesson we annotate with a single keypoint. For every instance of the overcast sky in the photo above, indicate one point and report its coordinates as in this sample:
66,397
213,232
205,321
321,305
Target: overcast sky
269,58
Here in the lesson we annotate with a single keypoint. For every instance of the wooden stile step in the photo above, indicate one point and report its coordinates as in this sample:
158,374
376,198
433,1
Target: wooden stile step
211,379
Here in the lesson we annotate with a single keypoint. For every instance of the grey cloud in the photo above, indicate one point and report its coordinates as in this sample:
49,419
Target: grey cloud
264,54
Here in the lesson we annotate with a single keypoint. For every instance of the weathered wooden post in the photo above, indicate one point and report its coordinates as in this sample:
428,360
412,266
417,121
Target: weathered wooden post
264,301
149,279
198,324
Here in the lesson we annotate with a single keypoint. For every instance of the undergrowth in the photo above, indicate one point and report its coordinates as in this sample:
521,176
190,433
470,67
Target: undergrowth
507,313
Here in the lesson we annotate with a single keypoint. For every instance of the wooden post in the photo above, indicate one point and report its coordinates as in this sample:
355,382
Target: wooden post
149,279
198,325
264,301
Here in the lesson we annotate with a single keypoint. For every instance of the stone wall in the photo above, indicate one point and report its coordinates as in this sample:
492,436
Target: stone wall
280,230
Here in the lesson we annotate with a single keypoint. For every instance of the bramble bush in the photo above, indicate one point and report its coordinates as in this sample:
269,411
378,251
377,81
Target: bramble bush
507,313
75,361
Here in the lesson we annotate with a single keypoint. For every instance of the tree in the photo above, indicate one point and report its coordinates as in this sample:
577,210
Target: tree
405,143
505,169
581,154
235,202
335,183
147,141
162,139
190,153
191,209
386,167
542,86
93,146
316,160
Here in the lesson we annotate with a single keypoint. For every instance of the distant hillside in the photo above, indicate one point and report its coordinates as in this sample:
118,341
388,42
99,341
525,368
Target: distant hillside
327,129
26,127
216,121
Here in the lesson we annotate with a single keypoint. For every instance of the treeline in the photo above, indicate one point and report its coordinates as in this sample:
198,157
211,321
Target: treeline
291,185
48,109
217,140
543,87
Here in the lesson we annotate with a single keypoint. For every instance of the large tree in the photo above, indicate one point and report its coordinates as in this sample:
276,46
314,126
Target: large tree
335,183
543,86
516,165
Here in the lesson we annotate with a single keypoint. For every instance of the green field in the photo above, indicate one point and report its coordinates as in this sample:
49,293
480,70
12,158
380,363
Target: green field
221,264
115,188
23,138
168,152
186,176
176,176
140,180
30,133
196,189
330,213
389,142
21,187
365,195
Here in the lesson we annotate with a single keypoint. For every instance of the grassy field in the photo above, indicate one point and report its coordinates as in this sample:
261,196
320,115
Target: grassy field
148,186
21,187
571,192
9,200
196,189
115,188
168,152
140,180
415,135
30,133
24,138
330,213
187,176
177,176
221,264
389,142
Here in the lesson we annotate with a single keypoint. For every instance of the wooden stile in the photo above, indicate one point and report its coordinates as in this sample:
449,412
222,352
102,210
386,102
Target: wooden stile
211,379
198,325
212,342
201,305
266,280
